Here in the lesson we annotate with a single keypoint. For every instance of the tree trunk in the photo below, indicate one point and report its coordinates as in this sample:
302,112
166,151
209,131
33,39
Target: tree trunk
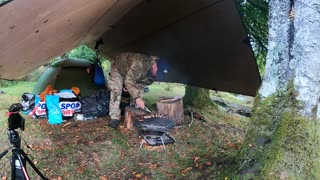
130,115
173,108
197,97
283,140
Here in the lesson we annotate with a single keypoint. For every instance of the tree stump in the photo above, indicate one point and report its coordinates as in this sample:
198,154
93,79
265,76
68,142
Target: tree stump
130,114
173,107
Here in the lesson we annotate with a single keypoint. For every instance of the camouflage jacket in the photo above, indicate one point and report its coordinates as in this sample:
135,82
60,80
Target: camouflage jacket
135,68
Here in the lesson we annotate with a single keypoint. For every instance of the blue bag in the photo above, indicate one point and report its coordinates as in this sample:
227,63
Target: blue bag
54,112
99,79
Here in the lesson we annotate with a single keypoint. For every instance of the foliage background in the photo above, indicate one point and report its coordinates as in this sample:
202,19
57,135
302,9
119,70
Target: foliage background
254,15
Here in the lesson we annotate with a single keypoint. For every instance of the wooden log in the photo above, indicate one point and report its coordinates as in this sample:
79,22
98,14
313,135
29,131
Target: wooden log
130,114
173,107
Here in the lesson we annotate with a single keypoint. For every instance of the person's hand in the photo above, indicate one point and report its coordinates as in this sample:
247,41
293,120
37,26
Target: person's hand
140,103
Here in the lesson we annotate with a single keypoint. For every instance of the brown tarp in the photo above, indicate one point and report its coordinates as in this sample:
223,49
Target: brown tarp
203,40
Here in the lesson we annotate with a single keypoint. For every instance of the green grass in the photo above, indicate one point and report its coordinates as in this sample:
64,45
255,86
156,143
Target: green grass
90,149
231,98
19,88
13,94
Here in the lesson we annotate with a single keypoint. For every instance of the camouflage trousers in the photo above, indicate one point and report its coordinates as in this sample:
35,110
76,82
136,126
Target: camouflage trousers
115,85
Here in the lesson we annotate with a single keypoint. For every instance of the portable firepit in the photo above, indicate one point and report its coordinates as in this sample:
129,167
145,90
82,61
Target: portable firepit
155,130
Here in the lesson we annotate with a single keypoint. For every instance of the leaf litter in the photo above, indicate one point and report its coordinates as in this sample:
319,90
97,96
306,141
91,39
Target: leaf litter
90,150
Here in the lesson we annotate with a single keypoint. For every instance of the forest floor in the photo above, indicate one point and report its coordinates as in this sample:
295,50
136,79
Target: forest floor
91,150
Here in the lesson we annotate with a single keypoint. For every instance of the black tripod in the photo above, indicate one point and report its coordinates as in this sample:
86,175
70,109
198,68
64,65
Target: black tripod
19,158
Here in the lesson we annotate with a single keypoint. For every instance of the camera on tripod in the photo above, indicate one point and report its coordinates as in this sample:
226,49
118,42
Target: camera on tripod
19,158
15,120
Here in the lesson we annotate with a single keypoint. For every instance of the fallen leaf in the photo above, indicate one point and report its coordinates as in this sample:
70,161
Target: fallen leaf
62,161
234,146
154,148
186,170
122,154
80,169
154,166
47,141
196,158
138,176
103,178
208,163
43,122
66,124
172,176
96,158
142,141
181,157
45,169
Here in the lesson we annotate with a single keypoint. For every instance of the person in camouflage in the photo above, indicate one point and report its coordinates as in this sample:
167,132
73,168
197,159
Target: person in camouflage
135,71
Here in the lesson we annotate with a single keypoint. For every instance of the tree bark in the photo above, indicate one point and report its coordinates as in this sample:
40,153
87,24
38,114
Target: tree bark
277,72
307,53
197,97
283,140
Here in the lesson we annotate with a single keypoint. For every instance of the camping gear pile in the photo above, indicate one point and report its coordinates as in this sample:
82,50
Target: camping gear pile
60,105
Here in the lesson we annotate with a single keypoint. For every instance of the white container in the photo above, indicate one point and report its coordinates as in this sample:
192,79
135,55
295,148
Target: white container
78,117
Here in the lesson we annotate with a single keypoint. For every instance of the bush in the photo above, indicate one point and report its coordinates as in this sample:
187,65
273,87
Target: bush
83,52
6,83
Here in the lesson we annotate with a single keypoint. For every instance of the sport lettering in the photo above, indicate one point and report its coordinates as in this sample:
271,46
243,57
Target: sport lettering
67,112
41,109
70,105
68,108
40,112
42,105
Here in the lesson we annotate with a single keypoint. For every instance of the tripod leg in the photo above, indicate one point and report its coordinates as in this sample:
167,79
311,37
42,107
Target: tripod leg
24,170
17,172
32,165
13,166
3,153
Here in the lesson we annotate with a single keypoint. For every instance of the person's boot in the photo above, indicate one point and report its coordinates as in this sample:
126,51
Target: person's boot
114,123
